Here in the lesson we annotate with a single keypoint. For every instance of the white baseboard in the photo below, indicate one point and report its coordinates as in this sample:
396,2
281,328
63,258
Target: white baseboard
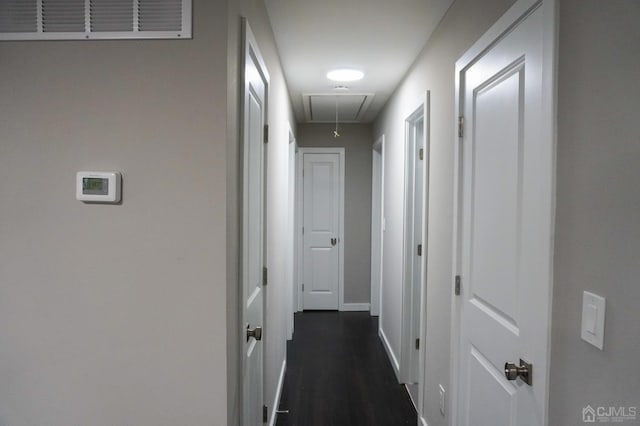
355,307
276,400
387,347
423,421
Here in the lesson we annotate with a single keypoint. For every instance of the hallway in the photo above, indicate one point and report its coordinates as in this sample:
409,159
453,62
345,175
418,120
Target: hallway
338,374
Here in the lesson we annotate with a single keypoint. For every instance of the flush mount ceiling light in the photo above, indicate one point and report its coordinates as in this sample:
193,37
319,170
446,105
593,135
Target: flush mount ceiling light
345,74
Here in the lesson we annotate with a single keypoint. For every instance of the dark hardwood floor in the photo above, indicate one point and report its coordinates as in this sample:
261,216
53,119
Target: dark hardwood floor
338,374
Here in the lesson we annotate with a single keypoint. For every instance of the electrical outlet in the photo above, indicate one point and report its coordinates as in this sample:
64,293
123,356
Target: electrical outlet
442,399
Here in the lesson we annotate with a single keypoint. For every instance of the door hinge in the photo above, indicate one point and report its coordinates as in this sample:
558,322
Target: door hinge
303,230
460,126
421,154
417,343
265,414
457,286
303,288
419,249
266,133
264,275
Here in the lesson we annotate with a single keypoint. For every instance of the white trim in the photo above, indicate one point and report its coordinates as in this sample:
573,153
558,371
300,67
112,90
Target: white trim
292,240
299,235
377,231
276,400
341,153
392,356
355,307
516,14
423,421
408,356
422,353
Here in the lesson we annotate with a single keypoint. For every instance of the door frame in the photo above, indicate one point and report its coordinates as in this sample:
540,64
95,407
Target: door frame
292,252
411,319
250,47
300,209
377,224
516,14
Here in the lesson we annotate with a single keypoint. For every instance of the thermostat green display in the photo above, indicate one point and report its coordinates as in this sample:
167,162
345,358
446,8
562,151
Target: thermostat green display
95,186
98,187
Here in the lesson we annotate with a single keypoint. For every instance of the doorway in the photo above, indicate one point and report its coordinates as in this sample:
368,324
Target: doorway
415,247
321,209
377,223
504,216
255,90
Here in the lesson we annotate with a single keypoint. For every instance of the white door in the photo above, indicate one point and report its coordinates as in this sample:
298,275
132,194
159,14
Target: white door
506,156
322,200
253,232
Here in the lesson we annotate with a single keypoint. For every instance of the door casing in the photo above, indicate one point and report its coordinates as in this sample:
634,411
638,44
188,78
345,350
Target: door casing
415,232
377,221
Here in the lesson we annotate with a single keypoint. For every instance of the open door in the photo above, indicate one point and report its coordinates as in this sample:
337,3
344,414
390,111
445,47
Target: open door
505,165
254,113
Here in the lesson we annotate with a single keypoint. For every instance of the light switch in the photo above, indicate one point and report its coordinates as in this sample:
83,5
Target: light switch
593,312
590,318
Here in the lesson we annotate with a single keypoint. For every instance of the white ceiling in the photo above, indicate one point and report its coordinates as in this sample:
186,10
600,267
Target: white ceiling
380,37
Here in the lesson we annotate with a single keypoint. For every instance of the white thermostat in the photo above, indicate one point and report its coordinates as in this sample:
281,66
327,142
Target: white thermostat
98,187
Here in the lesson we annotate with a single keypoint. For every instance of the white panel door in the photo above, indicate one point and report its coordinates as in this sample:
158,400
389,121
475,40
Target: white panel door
253,231
321,227
505,230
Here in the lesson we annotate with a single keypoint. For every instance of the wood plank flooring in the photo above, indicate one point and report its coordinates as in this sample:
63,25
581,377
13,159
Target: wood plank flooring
338,374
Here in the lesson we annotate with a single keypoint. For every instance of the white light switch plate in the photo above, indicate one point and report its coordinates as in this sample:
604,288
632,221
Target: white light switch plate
593,312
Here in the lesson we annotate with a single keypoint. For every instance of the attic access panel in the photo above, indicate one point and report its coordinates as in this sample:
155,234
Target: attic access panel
321,107
94,19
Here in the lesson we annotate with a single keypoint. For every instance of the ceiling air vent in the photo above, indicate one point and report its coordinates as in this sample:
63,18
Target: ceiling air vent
321,107
94,19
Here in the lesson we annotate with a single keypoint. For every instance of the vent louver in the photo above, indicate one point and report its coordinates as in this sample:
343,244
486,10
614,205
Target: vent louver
156,15
18,16
111,15
63,16
94,19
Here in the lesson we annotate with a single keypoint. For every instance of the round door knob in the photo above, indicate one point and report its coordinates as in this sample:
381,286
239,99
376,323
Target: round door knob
510,371
256,333
524,371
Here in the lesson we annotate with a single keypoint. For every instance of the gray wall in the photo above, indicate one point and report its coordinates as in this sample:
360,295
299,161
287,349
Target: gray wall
357,140
433,70
114,314
128,314
598,205
597,226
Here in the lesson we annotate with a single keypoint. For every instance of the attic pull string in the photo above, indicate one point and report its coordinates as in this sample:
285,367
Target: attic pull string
335,132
